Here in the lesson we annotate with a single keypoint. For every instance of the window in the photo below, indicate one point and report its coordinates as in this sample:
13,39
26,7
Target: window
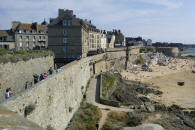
20,38
27,44
65,40
69,22
64,22
20,44
34,38
27,38
39,37
64,49
3,38
34,44
65,32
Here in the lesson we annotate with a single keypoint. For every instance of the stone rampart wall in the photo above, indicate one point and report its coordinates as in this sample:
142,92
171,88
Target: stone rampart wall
58,97
15,75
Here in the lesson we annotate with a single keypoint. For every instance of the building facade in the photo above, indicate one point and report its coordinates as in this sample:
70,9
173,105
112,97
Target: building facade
30,36
68,36
119,38
7,39
25,36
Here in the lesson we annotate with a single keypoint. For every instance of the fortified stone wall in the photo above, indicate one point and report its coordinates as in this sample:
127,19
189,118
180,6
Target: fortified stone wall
15,75
168,51
58,97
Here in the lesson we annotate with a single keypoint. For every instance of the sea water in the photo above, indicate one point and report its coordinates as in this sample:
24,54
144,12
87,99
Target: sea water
189,54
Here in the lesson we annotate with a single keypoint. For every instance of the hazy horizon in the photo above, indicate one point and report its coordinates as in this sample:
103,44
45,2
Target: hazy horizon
159,20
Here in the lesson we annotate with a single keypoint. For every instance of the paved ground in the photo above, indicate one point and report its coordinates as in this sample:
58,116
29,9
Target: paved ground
93,98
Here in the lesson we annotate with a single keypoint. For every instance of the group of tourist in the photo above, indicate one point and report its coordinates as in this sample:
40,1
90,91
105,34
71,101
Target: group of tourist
42,76
36,77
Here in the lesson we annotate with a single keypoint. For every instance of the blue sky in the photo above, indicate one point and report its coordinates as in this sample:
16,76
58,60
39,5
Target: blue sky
160,20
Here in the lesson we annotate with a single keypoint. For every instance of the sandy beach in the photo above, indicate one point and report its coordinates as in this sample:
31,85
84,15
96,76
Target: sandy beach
166,78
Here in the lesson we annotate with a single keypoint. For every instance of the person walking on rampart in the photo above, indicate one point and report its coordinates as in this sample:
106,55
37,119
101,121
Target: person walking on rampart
8,93
50,71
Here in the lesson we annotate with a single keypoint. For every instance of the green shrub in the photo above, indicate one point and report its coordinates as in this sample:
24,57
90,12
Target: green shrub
15,56
49,127
108,81
118,120
28,110
140,60
85,118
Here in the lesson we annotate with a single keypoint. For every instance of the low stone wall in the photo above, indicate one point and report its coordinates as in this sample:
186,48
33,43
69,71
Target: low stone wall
15,75
105,101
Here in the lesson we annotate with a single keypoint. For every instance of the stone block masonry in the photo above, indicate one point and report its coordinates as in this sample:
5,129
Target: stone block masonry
15,75
58,97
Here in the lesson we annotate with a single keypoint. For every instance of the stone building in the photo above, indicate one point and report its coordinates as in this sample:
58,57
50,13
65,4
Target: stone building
137,41
7,39
68,36
119,38
30,36
71,38
25,36
110,40
103,44
94,38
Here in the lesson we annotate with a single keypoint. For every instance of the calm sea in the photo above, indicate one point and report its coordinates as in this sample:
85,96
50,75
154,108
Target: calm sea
190,54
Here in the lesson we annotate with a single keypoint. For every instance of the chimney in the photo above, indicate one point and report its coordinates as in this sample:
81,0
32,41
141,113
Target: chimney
15,24
60,12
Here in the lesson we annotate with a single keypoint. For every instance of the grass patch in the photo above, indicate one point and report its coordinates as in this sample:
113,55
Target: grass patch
140,60
85,118
49,127
146,50
108,81
28,110
118,120
15,56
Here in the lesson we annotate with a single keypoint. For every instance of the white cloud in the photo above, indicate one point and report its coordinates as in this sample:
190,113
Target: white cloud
131,16
166,3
